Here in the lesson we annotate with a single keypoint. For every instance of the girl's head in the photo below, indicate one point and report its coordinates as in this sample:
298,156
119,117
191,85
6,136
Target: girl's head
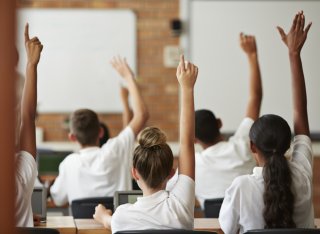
270,138
153,158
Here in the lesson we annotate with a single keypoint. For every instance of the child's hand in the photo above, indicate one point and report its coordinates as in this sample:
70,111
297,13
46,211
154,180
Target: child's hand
101,215
122,67
33,47
297,35
186,73
248,44
36,220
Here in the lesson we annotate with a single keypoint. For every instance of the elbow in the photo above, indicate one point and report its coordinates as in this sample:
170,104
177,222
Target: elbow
145,115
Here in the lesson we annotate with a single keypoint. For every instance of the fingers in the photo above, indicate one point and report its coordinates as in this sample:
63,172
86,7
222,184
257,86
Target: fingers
294,23
281,32
307,28
302,22
182,63
298,24
26,33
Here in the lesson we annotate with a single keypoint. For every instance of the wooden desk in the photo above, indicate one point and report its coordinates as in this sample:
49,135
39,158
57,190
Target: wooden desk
207,224
90,226
65,224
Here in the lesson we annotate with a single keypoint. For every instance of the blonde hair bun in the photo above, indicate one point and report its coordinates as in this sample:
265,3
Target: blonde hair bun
152,136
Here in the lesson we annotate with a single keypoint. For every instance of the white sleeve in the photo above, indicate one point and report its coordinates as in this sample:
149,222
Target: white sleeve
122,145
243,129
58,190
229,213
184,191
26,171
302,153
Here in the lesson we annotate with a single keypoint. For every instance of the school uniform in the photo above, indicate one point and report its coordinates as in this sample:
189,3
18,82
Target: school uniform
161,210
94,171
218,165
243,205
26,173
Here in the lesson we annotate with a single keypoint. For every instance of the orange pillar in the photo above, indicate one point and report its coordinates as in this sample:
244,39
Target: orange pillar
7,96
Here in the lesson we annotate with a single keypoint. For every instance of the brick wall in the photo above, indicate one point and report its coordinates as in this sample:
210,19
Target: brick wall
158,85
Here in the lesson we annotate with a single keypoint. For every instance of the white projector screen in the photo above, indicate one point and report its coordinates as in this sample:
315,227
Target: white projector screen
74,71
222,84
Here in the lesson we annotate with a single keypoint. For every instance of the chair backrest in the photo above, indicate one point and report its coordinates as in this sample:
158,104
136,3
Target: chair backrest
212,207
35,230
85,208
285,231
167,231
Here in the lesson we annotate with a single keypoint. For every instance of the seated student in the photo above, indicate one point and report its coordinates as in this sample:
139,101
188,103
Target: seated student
152,168
26,167
95,171
220,159
279,192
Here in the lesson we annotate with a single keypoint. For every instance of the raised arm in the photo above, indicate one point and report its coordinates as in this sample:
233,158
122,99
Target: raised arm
248,45
29,95
187,75
127,112
140,111
294,40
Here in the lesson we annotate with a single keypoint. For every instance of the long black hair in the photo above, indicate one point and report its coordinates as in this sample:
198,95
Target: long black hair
271,135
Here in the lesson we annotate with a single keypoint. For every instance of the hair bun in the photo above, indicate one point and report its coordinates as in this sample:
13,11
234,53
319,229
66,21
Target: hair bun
152,136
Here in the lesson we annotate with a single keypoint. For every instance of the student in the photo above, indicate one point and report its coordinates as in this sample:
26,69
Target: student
95,171
26,167
279,192
220,159
152,168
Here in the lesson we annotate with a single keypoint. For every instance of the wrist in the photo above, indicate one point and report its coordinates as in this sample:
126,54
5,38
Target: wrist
294,54
187,89
32,64
252,56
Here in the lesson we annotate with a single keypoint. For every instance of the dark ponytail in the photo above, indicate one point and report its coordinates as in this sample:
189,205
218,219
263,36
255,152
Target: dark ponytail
271,134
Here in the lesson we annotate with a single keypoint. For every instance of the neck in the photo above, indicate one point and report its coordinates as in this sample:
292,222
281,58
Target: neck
216,140
149,191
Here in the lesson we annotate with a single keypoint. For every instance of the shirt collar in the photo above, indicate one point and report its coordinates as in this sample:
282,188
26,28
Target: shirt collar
153,199
257,172
89,149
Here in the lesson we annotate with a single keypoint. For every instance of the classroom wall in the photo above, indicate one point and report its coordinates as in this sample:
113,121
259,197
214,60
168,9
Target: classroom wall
158,84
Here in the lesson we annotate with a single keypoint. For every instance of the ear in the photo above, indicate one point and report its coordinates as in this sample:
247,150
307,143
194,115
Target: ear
72,137
135,173
219,123
101,132
253,147
171,174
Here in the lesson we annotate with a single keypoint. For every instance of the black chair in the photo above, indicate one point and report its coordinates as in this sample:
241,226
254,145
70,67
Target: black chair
35,230
285,231
212,207
85,208
167,231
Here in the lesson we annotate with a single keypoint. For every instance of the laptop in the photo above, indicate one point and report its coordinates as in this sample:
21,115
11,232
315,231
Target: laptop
123,197
39,202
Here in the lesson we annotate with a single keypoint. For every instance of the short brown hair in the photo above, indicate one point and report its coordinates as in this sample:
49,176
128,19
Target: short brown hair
84,124
153,157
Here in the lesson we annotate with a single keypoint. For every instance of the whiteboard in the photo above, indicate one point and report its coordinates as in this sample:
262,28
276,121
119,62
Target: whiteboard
222,85
74,70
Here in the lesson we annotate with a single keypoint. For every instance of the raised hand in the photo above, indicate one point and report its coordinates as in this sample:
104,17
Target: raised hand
297,35
33,47
248,44
122,67
186,73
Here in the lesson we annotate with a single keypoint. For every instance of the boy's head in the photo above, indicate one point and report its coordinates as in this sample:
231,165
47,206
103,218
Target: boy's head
207,126
84,127
153,158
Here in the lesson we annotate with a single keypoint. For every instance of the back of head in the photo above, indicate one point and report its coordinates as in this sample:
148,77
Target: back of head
271,135
153,157
84,124
206,126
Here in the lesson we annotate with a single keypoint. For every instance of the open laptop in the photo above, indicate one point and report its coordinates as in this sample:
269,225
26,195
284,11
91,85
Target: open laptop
123,197
39,202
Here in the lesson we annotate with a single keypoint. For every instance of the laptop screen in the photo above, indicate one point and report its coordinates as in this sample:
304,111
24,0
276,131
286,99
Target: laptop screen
123,197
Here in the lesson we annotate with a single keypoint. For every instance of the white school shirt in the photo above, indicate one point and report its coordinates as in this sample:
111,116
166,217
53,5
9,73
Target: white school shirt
26,173
161,210
94,171
218,165
243,205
